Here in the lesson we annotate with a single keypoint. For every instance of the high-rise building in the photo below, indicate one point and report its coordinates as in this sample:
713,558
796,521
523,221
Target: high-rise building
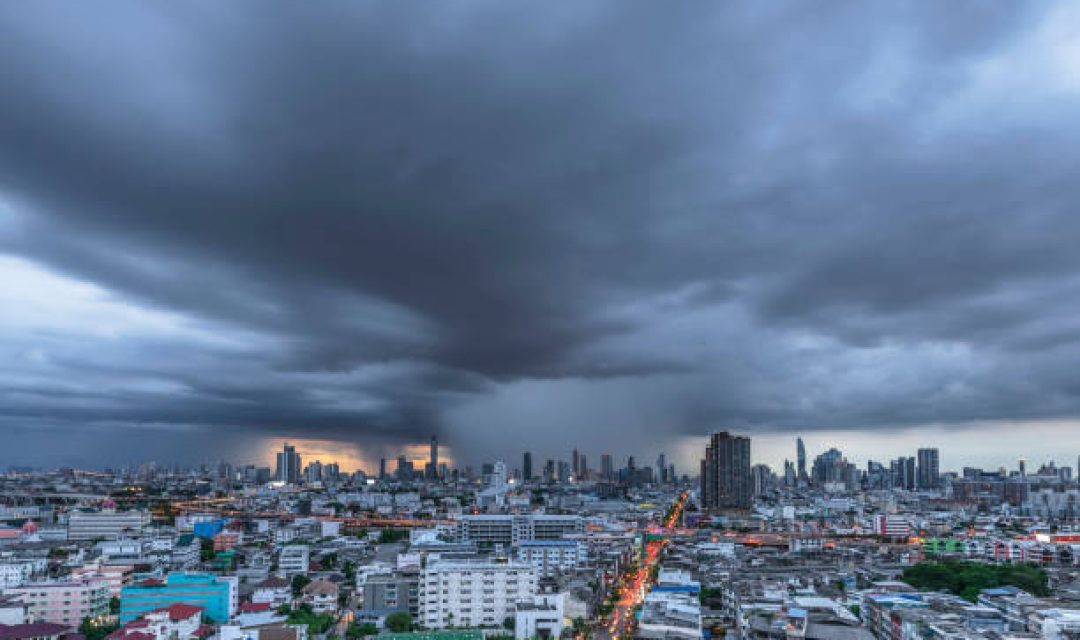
432,470
288,465
929,470
576,463
583,470
800,459
495,475
902,471
725,473
313,472
404,468
382,468
661,469
526,466
607,468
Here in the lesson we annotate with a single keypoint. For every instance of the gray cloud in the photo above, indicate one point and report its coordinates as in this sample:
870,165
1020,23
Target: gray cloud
402,218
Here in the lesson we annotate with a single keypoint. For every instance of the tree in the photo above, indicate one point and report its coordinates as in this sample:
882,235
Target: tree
96,631
114,605
508,623
206,549
967,579
317,623
299,581
399,621
392,535
361,630
328,561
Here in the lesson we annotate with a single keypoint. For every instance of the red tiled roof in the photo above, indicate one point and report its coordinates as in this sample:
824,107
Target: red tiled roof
32,630
181,611
204,631
254,607
128,634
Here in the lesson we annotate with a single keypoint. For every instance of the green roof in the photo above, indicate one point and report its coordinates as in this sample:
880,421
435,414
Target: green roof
464,634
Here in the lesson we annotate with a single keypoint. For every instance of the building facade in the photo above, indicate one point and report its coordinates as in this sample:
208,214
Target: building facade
473,594
726,481
217,595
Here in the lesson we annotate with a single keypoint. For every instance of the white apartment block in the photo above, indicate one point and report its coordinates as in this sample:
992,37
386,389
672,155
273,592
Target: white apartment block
550,557
541,617
473,594
14,571
107,524
512,529
294,559
892,526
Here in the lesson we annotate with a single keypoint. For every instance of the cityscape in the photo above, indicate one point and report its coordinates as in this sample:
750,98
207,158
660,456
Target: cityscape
523,320
819,549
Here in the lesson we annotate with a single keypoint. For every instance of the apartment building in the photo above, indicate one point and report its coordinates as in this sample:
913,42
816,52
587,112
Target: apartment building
63,602
107,524
473,593
550,557
486,529
294,559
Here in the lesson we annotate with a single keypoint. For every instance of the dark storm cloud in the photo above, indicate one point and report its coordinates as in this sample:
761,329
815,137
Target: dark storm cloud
396,216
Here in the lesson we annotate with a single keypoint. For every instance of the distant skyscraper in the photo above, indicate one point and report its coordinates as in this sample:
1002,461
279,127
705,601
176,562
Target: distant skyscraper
583,470
576,463
495,475
382,468
661,469
404,468
929,470
903,473
800,459
607,469
433,463
726,482
288,465
526,466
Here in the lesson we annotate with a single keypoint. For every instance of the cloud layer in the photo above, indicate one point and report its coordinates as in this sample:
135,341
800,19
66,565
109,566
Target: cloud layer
623,221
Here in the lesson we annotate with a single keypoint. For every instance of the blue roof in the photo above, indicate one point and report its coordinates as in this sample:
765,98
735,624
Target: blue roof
795,612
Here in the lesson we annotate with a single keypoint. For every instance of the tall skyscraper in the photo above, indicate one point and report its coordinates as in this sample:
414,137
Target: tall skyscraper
607,469
433,463
288,465
800,459
583,470
726,481
526,466
903,473
405,469
661,469
929,470
576,463
382,468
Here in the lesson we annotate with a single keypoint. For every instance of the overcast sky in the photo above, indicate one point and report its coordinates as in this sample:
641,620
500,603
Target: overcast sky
617,225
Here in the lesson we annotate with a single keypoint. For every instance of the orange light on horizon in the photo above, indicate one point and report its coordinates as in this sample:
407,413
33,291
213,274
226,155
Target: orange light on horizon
349,456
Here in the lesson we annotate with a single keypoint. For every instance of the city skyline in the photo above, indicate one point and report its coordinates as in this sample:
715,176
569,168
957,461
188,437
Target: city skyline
609,224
